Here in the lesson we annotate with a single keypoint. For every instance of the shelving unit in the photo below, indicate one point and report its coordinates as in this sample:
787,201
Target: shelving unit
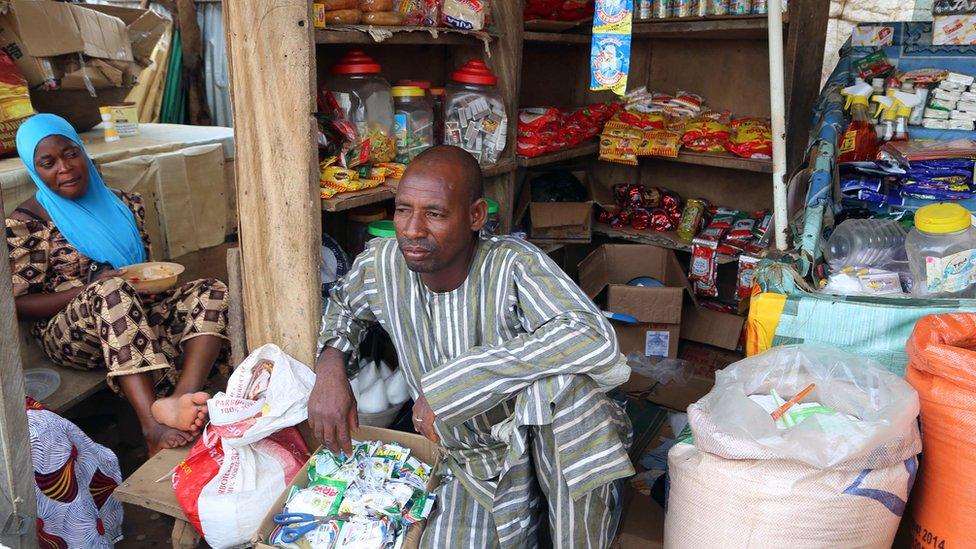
537,63
668,239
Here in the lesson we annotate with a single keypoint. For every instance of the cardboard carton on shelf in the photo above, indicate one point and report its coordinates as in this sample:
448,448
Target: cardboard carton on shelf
559,222
609,268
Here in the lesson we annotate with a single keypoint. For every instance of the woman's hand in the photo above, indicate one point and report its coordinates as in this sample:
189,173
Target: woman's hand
105,275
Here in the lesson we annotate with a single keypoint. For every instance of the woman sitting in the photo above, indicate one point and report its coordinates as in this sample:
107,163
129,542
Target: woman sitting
69,246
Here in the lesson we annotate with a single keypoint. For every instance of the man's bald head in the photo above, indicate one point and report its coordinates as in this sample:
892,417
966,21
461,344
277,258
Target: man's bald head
452,165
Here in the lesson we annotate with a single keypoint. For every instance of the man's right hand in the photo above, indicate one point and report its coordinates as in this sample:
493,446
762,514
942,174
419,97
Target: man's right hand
332,408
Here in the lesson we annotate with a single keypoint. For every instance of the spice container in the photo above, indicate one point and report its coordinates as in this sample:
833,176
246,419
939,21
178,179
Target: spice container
357,231
491,226
381,229
941,250
474,114
413,122
365,100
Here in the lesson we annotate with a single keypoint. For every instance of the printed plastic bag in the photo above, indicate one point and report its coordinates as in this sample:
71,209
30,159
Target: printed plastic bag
940,367
828,481
249,452
15,104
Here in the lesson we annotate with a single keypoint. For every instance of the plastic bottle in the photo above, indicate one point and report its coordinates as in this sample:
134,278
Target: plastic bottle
860,141
865,243
922,93
941,251
365,99
886,114
905,101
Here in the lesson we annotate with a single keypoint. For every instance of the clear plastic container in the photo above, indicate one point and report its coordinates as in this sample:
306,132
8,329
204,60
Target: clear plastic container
941,252
865,243
413,122
474,113
437,103
365,99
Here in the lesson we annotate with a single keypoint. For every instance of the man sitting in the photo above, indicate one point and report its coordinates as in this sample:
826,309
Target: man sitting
508,363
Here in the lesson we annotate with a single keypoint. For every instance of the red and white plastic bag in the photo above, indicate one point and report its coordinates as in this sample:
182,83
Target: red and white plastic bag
250,451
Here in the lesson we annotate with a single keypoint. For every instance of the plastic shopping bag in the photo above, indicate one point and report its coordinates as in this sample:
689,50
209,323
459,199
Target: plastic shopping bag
249,452
836,479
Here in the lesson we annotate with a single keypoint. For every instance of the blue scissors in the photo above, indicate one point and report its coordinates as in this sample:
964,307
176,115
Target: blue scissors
295,525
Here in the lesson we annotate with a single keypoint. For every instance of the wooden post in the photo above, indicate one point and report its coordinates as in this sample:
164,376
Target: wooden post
271,59
18,505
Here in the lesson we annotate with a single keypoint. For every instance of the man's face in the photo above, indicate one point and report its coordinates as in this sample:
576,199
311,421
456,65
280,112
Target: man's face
434,219
61,165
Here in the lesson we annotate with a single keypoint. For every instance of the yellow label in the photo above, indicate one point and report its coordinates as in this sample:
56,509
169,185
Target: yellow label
849,142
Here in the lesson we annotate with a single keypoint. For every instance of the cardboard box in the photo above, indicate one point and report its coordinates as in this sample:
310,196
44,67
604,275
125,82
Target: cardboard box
676,396
35,29
706,359
611,266
558,221
954,30
721,330
144,27
420,447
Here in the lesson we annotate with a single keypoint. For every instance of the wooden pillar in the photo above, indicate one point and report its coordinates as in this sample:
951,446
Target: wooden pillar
271,59
18,506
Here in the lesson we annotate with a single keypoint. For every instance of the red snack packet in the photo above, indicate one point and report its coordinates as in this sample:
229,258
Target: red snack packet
640,220
662,221
747,271
704,266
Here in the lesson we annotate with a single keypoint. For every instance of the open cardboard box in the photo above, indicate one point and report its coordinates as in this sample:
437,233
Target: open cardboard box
559,222
33,31
420,447
611,266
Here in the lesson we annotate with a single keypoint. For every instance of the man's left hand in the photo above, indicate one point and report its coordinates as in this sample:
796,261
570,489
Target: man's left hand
423,420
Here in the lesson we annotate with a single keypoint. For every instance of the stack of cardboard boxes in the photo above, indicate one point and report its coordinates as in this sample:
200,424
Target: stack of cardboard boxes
77,47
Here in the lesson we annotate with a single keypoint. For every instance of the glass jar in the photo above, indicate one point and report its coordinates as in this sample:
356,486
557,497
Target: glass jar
357,230
382,229
364,98
474,113
413,122
491,226
941,252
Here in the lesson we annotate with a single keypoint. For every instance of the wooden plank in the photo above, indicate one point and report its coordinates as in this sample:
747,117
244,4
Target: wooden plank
368,34
557,38
722,160
557,26
18,507
667,239
142,489
803,59
707,28
347,201
586,149
76,386
235,309
272,67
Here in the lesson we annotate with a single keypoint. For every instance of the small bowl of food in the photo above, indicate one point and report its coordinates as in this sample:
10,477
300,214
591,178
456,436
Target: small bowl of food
153,277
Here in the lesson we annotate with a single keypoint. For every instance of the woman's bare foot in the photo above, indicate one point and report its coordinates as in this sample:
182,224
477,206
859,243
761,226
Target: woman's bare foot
187,412
160,437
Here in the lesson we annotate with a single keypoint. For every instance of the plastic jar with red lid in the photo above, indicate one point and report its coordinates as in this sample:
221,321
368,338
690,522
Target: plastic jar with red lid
364,98
474,113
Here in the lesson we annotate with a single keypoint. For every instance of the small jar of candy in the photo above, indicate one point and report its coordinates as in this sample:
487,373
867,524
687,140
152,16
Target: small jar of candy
364,99
474,113
413,122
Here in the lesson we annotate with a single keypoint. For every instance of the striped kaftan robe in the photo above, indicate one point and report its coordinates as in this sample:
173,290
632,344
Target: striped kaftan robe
515,363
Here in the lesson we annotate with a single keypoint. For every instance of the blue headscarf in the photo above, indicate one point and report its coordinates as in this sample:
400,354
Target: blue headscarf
98,224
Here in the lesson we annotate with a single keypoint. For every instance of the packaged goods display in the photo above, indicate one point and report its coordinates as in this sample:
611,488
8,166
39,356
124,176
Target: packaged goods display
547,129
366,500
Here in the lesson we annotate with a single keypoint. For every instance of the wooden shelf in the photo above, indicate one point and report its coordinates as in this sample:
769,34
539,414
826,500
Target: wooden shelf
557,26
347,201
713,27
369,34
557,38
503,166
667,239
719,160
585,149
